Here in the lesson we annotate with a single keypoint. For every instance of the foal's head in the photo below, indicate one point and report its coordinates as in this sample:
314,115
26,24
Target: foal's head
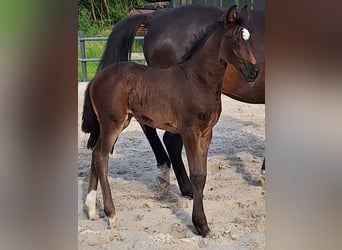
235,45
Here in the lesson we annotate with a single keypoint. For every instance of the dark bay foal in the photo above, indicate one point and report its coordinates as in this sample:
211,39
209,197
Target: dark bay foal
183,99
171,34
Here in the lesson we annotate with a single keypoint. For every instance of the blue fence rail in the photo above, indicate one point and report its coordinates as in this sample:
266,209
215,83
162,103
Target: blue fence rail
83,58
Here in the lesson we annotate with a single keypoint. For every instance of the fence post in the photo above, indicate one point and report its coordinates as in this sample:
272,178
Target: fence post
83,57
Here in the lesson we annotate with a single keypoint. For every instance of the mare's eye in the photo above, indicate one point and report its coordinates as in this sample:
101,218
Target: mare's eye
234,41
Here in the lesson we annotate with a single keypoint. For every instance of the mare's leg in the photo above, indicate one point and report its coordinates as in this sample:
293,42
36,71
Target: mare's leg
156,145
174,145
196,146
163,161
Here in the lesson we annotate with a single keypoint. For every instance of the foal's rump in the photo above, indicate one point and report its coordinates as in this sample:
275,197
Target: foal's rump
126,88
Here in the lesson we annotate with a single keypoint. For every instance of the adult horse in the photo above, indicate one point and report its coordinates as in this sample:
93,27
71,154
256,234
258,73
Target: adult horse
170,39
183,99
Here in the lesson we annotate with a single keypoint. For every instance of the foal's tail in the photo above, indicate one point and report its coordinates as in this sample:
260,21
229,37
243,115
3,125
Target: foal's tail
120,40
89,121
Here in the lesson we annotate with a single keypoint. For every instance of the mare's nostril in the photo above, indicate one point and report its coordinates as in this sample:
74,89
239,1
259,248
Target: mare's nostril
253,73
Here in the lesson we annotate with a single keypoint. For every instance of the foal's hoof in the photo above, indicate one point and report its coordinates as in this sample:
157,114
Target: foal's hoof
111,222
263,177
212,235
205,231
91,205
93,215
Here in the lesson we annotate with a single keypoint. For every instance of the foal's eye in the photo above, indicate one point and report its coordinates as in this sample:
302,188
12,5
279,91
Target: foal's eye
234,41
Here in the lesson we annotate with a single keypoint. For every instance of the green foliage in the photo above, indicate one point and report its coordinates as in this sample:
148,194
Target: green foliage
121,8
85,23
94,19
101,26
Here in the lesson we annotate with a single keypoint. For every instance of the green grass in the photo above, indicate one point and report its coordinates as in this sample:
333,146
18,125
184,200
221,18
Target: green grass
94,49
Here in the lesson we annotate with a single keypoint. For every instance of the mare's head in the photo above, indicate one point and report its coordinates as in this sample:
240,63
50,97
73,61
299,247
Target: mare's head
235,45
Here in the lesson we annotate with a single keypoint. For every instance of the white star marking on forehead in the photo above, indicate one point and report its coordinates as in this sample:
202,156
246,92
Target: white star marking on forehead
245,34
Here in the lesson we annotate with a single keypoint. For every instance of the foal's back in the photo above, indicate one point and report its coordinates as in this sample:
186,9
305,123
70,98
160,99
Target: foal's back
156,97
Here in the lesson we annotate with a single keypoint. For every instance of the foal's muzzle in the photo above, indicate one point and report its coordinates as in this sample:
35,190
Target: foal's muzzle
250,71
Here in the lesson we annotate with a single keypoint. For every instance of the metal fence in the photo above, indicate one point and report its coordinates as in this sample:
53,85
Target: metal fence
83,58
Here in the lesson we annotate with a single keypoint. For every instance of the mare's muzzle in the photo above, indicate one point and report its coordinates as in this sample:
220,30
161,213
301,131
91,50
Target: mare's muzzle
250,71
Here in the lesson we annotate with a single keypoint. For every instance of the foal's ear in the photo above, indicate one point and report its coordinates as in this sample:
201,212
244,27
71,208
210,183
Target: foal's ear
244,14
231,14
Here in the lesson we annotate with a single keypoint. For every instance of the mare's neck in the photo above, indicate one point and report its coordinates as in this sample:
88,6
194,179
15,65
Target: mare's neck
206,61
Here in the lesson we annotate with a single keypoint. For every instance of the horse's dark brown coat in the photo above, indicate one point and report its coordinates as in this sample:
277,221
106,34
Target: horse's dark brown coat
172,37
183,99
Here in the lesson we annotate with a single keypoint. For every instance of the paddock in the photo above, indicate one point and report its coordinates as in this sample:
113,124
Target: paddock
234,200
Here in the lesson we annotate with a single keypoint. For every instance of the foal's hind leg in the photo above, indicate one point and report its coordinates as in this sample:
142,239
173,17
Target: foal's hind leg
91,196
174,145
108,135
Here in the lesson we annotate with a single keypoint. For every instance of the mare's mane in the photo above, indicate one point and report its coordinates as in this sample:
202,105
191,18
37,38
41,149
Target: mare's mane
202,36
199,39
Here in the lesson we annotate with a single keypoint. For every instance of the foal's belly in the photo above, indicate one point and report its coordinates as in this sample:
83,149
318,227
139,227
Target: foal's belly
157,120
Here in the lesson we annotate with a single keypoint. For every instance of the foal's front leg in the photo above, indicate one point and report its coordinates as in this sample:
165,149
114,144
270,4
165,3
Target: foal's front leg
196,146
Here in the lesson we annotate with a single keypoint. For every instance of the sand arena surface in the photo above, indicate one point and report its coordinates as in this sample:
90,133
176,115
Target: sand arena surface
234,201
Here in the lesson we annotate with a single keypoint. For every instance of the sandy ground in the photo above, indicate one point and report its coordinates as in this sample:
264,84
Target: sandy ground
234,200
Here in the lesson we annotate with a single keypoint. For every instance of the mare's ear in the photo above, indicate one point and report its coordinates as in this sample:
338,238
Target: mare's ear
231,14
244,14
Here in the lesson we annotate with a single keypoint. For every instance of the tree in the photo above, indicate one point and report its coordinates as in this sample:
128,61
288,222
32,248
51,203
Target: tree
108,12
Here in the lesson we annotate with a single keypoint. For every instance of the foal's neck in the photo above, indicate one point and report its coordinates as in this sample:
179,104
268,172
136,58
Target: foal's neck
206,62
